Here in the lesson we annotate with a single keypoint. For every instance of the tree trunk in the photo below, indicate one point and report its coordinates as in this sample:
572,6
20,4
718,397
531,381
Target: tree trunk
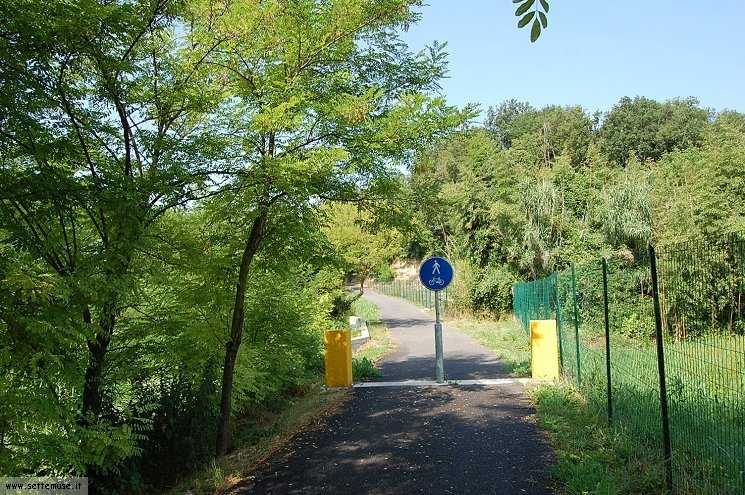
236,331
362,290
97,349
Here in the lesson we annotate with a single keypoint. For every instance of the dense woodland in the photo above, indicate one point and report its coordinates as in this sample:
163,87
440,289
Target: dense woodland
533,190
184,187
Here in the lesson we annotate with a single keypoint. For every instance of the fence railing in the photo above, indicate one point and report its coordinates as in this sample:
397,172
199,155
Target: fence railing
412,290
659,346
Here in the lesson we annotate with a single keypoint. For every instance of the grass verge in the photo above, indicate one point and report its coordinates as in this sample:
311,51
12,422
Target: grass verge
505,338
365,358
592,458
302,413
367,310
379,344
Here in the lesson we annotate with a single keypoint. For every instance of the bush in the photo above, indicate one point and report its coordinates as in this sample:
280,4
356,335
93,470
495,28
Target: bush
459,292
184,415
385,273
492,290
478,289
341,305
364,369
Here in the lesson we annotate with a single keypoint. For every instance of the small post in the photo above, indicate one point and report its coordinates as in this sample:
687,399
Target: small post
576,326
338,358
439,365
667,448
544,358
609,389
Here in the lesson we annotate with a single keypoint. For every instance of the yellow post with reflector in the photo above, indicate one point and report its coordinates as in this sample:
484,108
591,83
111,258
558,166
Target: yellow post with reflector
338,358
544,345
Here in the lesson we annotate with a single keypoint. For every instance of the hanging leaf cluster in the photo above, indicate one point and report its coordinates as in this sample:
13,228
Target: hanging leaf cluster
532,11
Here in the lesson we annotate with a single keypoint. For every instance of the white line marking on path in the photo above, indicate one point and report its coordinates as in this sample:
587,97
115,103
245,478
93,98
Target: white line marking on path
432,383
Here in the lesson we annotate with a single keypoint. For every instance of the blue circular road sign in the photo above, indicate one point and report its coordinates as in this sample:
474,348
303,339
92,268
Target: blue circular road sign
436,273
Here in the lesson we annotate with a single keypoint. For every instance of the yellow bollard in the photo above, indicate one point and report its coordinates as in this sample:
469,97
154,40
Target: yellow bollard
544,346
338,358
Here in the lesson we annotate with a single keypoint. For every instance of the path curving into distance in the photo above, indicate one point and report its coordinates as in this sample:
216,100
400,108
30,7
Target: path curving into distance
413,359
418,440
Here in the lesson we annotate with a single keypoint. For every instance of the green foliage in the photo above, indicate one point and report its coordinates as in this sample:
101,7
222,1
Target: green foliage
647,129
361,246
341,305
699,191
492,290
626,214
166,170
384,273
322,101
539,189
104,131
366,310
590,457
503,120
541,8
363,369
542,135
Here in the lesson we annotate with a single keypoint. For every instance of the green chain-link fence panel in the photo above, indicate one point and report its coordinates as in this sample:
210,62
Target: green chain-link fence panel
534,300
702,297
412,290
702,304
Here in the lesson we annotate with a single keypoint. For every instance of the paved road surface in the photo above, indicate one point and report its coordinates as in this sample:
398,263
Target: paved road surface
438,440
414,358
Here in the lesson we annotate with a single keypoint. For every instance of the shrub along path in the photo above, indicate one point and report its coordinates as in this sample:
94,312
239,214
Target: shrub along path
405,440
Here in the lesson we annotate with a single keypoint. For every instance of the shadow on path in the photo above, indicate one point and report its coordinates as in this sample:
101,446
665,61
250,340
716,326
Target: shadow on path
445,440
406,440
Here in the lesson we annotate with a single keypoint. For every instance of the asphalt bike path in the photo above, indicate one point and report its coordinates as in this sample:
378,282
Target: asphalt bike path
418,440
413,358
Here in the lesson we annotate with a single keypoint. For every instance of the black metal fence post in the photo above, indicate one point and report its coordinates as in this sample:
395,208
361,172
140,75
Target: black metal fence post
576,327
609,388
558,323
667,449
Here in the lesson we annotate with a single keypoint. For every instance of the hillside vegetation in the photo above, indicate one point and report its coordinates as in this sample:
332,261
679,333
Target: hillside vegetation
536,189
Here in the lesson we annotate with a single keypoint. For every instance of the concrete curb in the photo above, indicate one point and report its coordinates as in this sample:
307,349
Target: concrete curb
358,323
432,383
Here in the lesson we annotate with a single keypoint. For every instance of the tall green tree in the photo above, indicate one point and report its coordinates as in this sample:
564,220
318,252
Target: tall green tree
322,100
362,246
101,133
698,192
501,120
647,129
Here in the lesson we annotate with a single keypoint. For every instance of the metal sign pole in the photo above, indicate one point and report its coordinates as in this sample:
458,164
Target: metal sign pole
436,273
439,365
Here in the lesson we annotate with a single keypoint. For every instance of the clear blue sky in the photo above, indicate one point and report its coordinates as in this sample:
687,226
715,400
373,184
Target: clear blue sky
593,52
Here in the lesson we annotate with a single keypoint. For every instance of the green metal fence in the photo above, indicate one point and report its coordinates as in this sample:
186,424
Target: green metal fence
413,291
658,345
